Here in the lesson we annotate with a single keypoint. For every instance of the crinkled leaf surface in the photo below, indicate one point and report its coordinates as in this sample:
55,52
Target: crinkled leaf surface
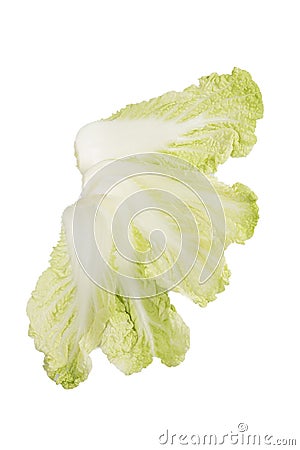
204,124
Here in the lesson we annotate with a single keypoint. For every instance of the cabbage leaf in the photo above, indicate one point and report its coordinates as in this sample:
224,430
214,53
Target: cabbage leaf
152,218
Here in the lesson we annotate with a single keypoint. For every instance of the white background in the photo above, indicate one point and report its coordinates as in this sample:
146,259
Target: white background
66,63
